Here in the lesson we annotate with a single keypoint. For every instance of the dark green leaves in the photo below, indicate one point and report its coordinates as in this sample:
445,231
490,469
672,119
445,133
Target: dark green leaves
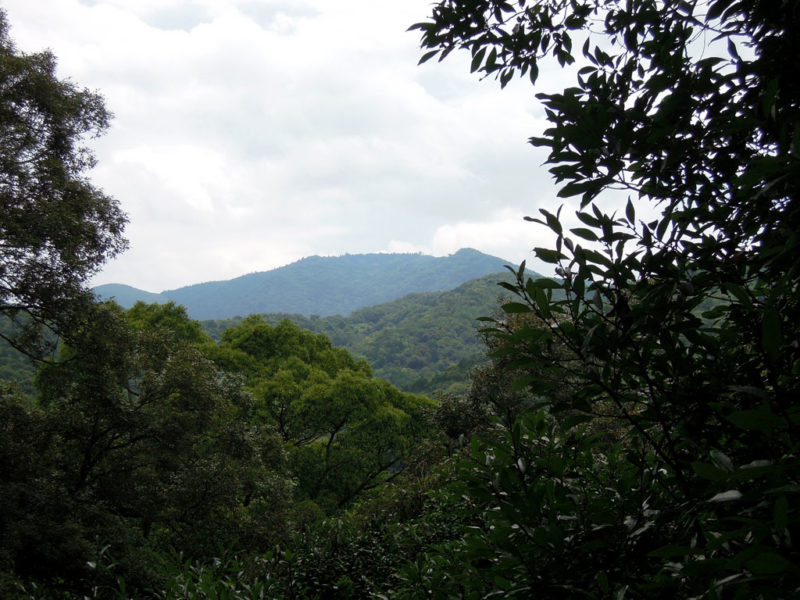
630,212
477,59
586,234
427,56
56,229
548,256
771,334
676,316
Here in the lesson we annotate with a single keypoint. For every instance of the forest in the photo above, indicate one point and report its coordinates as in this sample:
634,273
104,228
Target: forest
632,428
423,343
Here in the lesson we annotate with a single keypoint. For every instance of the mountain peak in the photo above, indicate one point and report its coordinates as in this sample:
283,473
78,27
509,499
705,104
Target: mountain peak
321,285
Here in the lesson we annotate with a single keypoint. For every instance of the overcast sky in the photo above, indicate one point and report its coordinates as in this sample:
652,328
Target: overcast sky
251,133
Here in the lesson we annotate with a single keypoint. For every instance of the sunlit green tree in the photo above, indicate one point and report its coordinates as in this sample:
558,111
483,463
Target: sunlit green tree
345,432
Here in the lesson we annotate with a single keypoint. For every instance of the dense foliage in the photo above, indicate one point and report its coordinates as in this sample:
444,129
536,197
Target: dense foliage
633,435
15,366
344,431
144,443
56,229
423,343
148,436
693,107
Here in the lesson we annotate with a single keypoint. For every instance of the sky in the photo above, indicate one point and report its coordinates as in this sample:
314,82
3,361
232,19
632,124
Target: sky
249,134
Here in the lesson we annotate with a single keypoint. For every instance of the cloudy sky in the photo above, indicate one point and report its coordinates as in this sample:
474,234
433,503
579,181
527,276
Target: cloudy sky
251,133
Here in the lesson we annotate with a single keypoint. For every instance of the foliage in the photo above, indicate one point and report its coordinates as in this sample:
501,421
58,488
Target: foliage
345,432
142,444
15,366
150,460
709,135
665,465
422,343
56,229
169,319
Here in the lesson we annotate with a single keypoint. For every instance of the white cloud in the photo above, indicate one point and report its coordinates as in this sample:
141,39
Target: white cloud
249,134
504,234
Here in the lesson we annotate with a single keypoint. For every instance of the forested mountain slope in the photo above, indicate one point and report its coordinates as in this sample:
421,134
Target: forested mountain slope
14,365
319,285
421,342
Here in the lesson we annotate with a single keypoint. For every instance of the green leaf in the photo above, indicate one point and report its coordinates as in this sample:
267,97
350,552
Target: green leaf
780,514
576,188
722,461
602,582
534,72
717,8
552,220
588,219
544,283
516,308
769,563
542,302
584,233
427,56
734,53
540,141
663,225
726,496
771,335
596,257
739,293
492,60
548,256
760,419
710,472
477,59
630,213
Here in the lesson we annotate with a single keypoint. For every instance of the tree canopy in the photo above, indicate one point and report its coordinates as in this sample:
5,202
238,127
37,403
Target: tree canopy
681,328
344,431
635,434
56,228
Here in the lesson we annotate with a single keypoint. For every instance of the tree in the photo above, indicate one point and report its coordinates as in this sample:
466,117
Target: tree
683,327
170,318
56,228
344,432
137,443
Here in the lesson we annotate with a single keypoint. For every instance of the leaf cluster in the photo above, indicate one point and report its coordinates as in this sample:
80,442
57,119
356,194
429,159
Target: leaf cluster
680,328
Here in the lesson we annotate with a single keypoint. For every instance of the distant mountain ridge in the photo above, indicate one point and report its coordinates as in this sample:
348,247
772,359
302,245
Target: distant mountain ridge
318,285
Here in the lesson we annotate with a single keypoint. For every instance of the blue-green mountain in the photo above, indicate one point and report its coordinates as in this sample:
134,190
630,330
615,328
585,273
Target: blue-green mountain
320,285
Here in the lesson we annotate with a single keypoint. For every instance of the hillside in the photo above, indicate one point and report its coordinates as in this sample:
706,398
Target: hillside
15,366
422,342
126,295
320,285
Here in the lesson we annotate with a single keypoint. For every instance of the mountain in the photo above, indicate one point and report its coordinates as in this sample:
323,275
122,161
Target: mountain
422,342
320,285
126,295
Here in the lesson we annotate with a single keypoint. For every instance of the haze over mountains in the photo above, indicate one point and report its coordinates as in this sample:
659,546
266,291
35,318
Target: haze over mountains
319,285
